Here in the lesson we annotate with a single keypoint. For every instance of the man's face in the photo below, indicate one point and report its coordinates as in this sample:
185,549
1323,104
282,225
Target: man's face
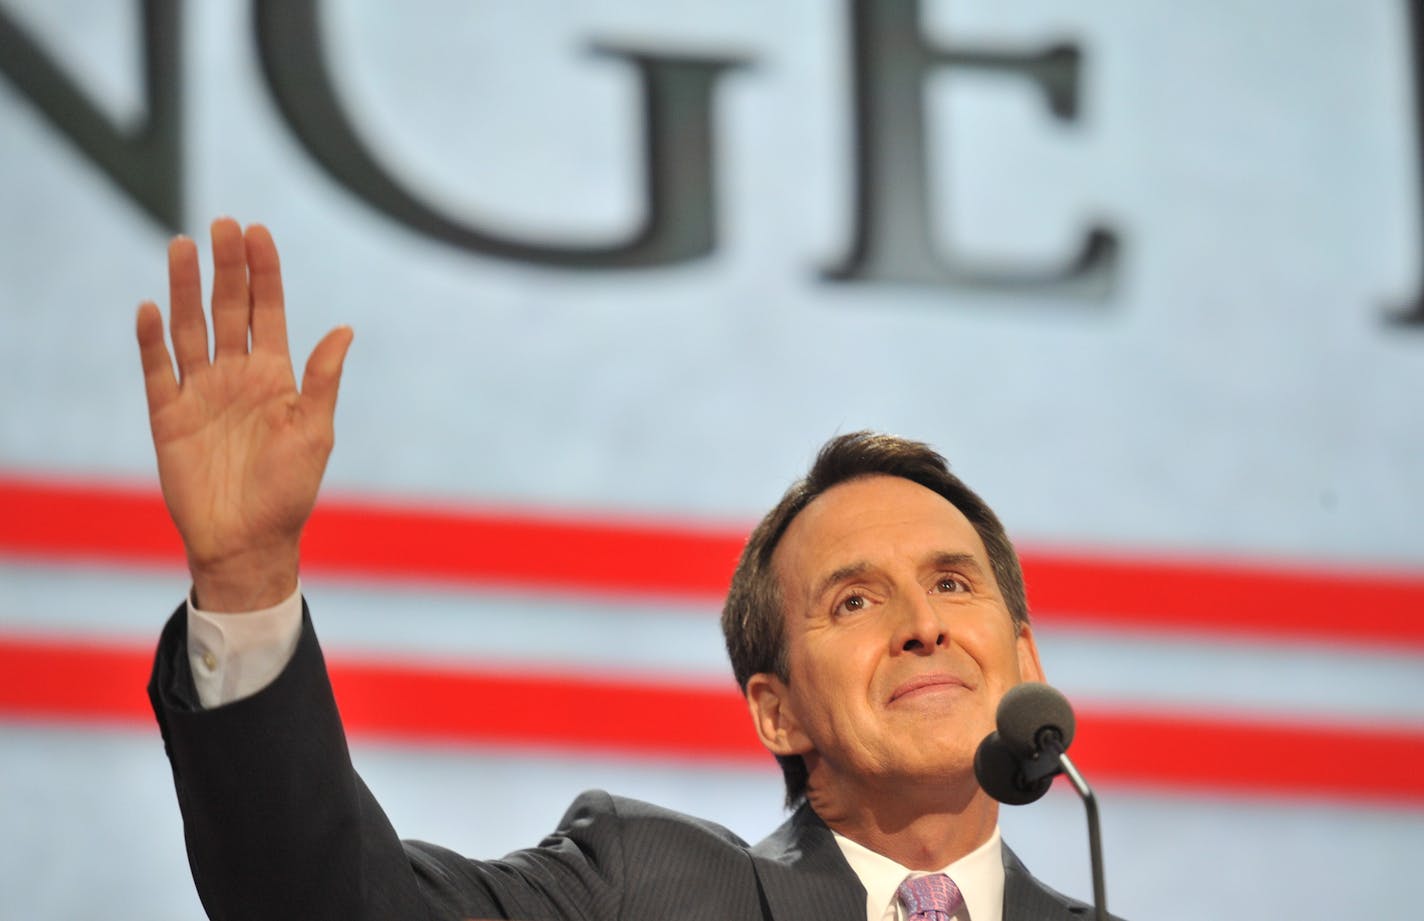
899,643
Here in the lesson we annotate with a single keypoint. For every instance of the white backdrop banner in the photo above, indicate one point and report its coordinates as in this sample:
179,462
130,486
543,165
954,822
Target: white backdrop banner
1147,274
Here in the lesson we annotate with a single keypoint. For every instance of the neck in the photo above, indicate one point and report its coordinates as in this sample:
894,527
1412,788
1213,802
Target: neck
918,828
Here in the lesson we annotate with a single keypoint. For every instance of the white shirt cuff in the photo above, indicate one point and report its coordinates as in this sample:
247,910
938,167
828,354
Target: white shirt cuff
236,655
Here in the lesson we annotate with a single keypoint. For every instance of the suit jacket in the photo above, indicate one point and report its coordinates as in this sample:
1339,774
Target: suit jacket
278,825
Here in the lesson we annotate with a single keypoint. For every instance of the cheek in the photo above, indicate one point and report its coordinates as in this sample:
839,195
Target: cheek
997,652
829,681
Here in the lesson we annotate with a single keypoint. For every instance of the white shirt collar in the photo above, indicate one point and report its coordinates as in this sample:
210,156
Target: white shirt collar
978,874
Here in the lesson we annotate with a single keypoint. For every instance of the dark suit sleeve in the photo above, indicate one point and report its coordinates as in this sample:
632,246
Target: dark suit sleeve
277,823
279,826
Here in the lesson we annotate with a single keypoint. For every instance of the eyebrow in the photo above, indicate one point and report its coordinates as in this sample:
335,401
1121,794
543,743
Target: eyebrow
843,574
945,560
966,561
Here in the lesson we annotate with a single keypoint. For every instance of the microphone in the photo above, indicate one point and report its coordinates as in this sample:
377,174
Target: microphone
999,770
1034,718
1017,763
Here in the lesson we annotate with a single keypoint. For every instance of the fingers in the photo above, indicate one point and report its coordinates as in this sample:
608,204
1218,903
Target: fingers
232,310
158,380
269,316
185,297
322,377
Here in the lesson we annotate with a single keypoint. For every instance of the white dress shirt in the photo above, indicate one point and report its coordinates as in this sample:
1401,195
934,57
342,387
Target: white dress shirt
236,655
978,874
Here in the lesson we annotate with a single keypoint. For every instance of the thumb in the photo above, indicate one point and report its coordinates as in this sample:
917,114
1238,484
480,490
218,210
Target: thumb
322,376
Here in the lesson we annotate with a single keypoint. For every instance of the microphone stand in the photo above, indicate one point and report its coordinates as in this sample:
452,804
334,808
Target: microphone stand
1095,844
1051,760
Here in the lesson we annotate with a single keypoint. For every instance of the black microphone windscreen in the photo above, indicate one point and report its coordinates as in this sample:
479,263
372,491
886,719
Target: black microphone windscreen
998,771
1029,708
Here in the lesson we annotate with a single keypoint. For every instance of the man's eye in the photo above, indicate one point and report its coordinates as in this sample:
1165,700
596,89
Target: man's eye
851,604
951,584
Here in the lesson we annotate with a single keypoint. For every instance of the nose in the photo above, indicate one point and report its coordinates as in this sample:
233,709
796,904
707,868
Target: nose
921,627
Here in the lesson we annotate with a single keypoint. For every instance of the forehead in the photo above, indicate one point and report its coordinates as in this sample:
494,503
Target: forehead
875,520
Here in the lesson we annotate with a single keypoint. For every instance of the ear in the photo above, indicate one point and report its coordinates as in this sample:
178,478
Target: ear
773,716
1030,669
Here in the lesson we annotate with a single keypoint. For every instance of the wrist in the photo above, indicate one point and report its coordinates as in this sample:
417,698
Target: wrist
246,582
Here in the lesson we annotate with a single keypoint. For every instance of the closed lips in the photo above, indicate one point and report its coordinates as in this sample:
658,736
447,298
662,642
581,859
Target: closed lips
927,682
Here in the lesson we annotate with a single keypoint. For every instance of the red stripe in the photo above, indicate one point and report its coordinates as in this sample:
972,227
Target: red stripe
73,680
85,521
472,546
522,549
61,680
1251,755
1223,596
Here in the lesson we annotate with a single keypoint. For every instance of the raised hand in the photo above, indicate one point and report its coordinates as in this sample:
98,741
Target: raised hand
241,451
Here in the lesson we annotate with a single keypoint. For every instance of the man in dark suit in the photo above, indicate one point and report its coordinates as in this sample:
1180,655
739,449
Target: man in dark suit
874,621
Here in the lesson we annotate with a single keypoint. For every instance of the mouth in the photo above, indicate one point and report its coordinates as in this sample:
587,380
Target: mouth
927,684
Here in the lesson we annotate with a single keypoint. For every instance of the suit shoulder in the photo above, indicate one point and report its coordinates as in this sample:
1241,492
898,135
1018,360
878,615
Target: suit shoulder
610,857
673,864
640,820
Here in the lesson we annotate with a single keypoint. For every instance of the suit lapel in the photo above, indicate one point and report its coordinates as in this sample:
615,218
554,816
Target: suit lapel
804,876
1026,899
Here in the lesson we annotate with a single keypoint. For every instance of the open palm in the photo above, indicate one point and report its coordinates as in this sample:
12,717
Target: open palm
240,450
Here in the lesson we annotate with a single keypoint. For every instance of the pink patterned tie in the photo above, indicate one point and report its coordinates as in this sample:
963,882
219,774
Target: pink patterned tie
929,898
